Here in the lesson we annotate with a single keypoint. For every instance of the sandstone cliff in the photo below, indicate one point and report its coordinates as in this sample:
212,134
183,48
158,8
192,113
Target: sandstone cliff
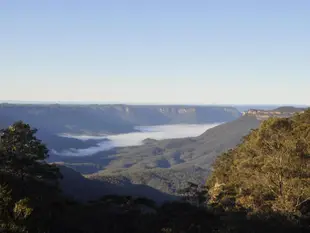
283,112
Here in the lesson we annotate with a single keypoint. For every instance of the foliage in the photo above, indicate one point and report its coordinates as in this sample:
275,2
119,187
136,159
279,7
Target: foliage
269,172
13,215
29,185
23,155
194,194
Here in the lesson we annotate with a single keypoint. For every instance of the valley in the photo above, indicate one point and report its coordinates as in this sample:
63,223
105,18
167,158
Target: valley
155,116
162,157
144,134
150,172
166,165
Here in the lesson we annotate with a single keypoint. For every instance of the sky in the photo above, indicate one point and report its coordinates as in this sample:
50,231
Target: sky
156,51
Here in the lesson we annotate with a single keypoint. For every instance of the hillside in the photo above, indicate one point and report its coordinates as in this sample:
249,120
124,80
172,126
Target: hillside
269,171
262,185
289,109
75,185
167,165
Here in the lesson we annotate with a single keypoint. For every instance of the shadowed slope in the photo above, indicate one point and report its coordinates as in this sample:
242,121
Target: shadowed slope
84,189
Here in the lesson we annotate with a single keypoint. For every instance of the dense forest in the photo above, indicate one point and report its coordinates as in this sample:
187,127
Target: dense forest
262,185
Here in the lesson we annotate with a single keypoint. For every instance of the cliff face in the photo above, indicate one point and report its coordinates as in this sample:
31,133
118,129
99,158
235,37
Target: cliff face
283,112
112,118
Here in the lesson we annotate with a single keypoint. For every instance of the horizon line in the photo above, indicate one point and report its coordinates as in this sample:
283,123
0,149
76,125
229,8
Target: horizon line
137,103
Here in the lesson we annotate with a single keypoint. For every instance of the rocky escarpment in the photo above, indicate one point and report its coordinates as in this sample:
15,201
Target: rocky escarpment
111,119
282,112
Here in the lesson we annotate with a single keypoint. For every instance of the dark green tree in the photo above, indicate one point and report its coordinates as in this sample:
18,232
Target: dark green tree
30,182
194,194
13,215
23,155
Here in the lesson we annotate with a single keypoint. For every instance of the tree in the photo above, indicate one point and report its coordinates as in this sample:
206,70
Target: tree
13,214
31,184
23,155
269,171
194,194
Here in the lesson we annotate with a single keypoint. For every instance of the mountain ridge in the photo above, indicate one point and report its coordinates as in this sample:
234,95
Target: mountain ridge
164,165
112,119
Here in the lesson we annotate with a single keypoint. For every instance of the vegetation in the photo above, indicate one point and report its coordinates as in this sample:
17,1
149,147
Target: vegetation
269,172
171,168
262,185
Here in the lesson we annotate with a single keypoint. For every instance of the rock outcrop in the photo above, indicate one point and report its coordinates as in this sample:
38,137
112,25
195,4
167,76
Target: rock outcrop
282,112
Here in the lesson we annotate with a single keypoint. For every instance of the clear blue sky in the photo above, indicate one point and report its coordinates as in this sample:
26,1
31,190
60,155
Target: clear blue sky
156,51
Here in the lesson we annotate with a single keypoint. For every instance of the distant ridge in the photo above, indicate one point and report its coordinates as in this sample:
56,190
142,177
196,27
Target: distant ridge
289,109
113,119
284,112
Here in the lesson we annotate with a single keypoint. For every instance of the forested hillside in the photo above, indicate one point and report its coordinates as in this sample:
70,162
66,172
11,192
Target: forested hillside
260,186
167,165
269,171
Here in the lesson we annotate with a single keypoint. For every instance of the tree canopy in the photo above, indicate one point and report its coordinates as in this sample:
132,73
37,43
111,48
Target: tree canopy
23,155
269,171
267,175
28,184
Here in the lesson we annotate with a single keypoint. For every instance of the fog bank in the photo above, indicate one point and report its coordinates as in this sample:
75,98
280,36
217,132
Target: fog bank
136,138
